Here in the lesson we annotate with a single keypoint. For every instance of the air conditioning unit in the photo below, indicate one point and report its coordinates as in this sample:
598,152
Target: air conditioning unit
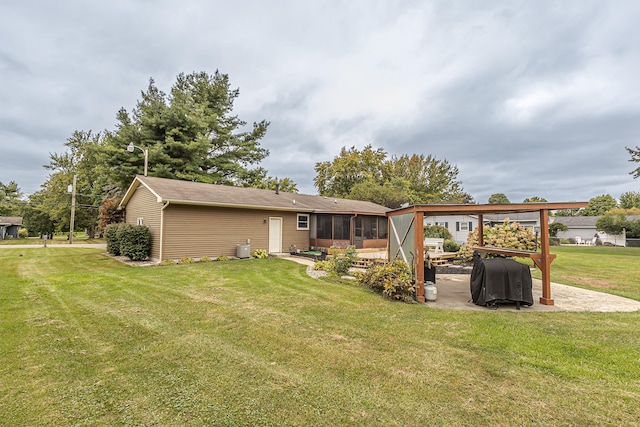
243,251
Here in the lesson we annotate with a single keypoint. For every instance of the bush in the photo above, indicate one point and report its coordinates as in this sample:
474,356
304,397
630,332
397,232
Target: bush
187,260
205,259
222,258
112,236
394,281
437,232
135,241
339,264
168,262
451,246
260,254
321,265
506,235
23,233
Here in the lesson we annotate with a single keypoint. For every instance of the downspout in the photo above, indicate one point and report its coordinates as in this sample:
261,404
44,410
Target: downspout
162,231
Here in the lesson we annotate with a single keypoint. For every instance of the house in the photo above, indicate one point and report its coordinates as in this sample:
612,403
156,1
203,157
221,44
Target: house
191,219
458,225
526,219
584,227
9,226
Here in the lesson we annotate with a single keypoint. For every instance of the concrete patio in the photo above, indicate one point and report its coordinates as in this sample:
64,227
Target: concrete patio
454,293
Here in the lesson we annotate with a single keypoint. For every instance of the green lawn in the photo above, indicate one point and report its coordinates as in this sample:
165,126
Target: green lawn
89,341
608,269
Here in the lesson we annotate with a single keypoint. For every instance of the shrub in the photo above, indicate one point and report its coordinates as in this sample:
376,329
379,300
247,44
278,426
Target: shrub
112,236
135,241
187,260
168,262
222,258
506,235
394,281
451,246
23,233
260,254
321,265
340,264
205,259
437,232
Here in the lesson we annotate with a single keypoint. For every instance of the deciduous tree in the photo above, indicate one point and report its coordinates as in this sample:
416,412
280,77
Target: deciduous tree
600,205
498,199
336,178
554,227
80,159
534,199
370,175
629,200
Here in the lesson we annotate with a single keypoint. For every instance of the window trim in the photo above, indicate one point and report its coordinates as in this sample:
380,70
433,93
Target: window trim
298,227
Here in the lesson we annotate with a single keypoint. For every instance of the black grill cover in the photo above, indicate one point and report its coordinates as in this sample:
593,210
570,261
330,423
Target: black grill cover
500,280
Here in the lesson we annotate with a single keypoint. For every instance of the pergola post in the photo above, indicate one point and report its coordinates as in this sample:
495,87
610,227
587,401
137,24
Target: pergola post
418,239
545,261
480,230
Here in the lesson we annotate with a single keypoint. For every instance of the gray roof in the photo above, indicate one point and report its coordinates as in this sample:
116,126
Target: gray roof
576,221
583,221
513,217
10,220
197,193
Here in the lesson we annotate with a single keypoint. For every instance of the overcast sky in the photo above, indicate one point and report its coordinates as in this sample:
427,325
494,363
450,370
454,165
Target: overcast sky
527,98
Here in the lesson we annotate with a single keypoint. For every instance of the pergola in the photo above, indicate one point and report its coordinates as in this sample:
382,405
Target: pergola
406,235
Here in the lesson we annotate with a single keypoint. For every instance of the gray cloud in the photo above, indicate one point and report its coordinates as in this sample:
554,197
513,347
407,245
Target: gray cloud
526,98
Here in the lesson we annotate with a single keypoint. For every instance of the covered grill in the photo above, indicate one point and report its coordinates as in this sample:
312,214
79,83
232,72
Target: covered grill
500,280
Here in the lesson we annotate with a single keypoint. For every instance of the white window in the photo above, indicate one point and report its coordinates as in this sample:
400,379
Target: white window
303,222
464,226
140,221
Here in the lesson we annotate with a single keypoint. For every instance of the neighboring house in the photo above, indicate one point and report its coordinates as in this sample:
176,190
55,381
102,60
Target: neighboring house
190,219
585,228
526,219
9,226
458,225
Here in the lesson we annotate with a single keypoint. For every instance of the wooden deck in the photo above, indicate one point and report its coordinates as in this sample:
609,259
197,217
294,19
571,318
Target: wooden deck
439,258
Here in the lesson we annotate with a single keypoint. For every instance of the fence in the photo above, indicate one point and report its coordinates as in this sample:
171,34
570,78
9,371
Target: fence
633,243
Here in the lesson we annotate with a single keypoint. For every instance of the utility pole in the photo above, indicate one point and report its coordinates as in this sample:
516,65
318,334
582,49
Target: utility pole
73,209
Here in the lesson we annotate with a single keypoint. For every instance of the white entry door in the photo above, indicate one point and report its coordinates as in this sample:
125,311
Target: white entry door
275,235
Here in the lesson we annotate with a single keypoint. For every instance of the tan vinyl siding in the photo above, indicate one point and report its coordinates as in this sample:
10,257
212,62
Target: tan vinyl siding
144,204
197,231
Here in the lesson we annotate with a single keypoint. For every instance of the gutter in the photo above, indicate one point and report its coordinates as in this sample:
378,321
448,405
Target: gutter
294,208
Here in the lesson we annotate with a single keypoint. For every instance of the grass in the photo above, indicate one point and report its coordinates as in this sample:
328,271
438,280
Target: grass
614,270
89,341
